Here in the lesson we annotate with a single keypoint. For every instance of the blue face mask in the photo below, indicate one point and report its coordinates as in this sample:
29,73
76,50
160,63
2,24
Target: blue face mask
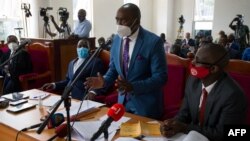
82,52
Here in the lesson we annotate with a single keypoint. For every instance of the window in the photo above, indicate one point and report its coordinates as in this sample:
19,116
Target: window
10,17
204,14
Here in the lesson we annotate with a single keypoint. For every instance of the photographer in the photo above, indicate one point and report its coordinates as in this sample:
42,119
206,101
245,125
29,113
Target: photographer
64,29
241,31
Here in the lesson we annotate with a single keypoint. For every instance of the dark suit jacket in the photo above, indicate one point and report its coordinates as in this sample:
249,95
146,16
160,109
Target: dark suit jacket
226,104
20,64
147,73
78,90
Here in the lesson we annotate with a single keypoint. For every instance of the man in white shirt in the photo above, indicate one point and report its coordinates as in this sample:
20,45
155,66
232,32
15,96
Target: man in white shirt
83,27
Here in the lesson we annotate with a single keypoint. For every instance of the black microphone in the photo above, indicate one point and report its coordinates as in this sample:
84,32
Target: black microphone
31,127
114,114
23,44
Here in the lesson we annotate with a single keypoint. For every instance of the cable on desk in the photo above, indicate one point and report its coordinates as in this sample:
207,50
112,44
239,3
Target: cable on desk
18,134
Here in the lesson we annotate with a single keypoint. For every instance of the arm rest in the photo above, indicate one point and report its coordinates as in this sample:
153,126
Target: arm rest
34,80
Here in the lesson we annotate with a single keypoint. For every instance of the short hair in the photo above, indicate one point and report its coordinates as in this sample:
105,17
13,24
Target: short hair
133,8
219,53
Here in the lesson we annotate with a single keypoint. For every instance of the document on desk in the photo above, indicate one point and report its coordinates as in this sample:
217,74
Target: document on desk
86,106
86,129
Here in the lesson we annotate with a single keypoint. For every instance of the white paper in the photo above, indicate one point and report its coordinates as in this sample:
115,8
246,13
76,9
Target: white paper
118,123
50,101
86,129
86,106
195,136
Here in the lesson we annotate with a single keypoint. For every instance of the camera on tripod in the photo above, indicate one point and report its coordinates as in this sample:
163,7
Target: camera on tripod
64,14
239,19
43,13
181,20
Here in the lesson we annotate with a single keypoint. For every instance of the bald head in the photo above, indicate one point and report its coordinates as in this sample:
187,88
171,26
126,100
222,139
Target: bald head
213,54
129,15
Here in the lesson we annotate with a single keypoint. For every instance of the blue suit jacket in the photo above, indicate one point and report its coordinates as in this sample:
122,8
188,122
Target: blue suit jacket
78,91
147,73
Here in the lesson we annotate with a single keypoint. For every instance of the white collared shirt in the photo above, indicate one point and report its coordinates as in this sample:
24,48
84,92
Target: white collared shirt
131,44
77,64
208,89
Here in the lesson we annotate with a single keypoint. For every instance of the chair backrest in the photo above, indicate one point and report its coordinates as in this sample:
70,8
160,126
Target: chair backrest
40,57
240,71
105,57
174,88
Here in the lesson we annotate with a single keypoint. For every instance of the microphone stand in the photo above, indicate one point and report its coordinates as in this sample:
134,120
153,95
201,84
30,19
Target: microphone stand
18,50
65,97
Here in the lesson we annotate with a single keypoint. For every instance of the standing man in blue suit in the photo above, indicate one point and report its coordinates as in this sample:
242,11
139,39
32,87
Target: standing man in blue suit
137,65
75,66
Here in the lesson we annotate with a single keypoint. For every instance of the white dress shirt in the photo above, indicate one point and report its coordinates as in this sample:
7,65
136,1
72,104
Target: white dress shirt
131,44
208,89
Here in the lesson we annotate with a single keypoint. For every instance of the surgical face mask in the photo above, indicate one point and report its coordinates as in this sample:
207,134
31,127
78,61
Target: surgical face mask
13,46
124,31
83,52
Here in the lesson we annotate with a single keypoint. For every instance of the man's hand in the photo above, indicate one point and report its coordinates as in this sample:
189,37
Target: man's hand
47,86
123,85
90,96
94,82
171,127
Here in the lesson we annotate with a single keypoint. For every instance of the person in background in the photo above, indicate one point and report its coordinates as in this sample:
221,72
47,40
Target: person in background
241,32
207,107
137,65
167,45
20,64
83,26
64,30
188,45
246,54
221,34
75,66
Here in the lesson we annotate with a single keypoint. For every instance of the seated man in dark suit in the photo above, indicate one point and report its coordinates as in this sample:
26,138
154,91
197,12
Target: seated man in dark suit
75,66
188,45
212,98
20,64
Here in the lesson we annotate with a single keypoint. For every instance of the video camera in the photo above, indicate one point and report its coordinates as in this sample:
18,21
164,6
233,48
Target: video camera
64,14
239,18
43,13
181,20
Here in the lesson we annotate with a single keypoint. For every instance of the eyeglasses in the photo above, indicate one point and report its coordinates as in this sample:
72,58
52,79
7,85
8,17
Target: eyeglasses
215,63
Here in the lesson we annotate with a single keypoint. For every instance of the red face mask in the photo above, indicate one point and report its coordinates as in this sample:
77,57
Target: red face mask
198,72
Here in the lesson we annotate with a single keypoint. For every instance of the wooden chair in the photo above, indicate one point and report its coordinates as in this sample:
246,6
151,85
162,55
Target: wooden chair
41,61
239,70
174,88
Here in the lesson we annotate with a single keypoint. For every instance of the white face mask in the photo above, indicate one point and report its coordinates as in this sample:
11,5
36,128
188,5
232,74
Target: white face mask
13,46
123,31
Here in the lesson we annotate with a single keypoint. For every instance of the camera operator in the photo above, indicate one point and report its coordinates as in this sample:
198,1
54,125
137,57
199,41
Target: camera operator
64,29
241,31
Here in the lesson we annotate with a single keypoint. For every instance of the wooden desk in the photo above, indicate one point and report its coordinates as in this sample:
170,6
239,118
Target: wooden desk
10,124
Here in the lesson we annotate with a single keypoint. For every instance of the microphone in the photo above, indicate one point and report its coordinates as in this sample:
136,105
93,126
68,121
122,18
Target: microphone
31,127
114,114
61,131
23,44
55,120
